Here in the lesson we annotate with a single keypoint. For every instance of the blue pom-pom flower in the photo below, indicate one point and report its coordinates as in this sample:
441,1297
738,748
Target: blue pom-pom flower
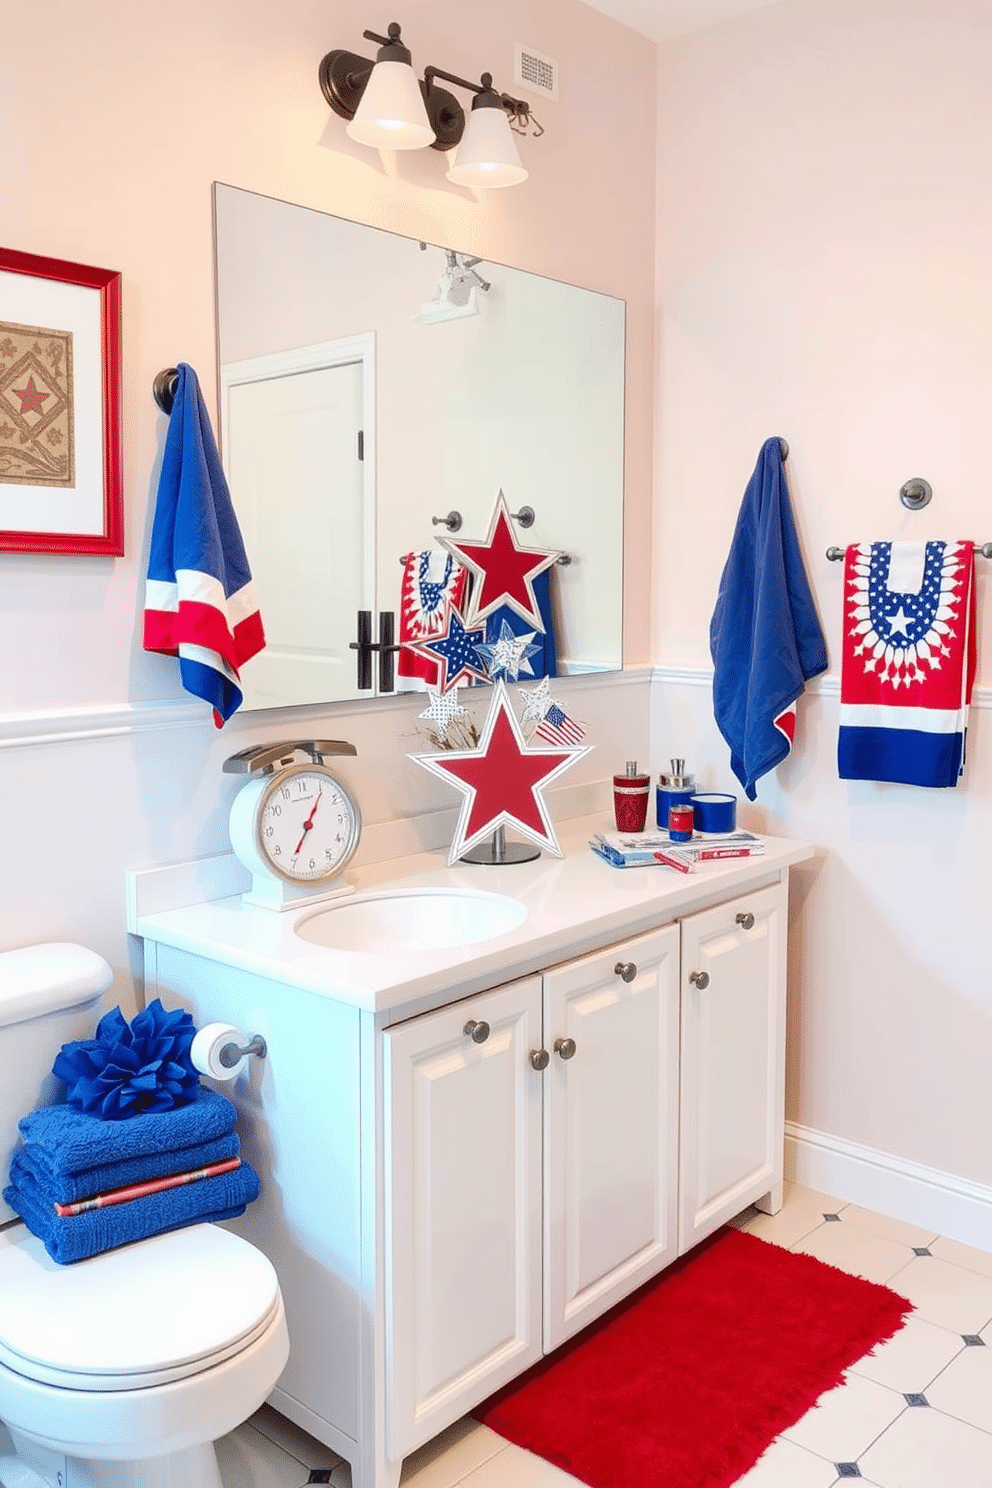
129,1069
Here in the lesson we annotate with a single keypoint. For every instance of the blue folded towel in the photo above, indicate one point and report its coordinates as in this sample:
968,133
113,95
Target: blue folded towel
76,1142
79,1236
765,635
69,1188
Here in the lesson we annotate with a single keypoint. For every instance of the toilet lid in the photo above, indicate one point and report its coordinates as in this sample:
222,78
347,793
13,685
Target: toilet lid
159,1309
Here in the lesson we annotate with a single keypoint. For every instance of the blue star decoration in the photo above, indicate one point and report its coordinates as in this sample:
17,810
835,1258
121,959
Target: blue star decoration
507,656
456,650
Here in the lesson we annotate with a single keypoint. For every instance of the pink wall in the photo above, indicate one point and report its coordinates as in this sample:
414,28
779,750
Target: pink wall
116,120
824,237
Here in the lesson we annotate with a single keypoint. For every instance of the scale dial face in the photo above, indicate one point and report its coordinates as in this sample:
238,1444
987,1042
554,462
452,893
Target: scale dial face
306,825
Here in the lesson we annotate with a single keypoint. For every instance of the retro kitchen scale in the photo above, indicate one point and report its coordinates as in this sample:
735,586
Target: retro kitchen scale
294,825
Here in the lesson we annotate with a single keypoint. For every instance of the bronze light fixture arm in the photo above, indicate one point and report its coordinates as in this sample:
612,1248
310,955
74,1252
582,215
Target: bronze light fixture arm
516,108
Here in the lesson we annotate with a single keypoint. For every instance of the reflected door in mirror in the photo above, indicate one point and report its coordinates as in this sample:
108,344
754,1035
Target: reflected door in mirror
294,441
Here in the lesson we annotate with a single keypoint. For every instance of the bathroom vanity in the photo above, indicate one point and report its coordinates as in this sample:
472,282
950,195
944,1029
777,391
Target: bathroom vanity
469,1151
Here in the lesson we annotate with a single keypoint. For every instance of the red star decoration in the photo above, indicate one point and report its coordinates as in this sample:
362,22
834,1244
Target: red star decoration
31,397
503,781
504,571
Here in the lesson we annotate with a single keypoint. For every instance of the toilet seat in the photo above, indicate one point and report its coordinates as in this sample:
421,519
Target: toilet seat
151,1313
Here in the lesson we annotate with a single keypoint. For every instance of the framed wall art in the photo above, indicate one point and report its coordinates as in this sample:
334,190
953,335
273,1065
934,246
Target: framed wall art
60,416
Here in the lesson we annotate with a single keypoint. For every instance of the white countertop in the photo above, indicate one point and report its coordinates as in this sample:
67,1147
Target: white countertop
575,904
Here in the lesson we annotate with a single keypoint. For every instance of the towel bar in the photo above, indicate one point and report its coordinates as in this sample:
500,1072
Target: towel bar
564,559
984,550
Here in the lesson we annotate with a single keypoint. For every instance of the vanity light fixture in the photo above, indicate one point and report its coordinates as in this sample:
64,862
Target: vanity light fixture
382,100
387,108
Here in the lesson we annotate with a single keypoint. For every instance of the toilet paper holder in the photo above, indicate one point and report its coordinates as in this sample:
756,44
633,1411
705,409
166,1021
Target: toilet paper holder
230,1054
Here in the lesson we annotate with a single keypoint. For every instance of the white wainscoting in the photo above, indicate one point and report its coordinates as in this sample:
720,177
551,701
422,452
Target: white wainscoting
923,1196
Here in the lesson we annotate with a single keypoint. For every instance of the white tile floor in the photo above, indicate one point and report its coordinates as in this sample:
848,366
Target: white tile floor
915,1414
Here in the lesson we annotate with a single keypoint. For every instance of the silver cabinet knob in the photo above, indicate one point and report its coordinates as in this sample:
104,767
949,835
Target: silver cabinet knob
746,920
539,1059
626,970
700,979
477,1032
565,1047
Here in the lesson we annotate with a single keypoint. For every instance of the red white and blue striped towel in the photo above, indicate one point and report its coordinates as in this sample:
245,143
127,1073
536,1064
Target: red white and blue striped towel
199,599
908,661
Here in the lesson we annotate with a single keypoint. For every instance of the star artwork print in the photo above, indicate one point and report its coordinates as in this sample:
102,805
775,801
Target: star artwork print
503,570
37,445
502,781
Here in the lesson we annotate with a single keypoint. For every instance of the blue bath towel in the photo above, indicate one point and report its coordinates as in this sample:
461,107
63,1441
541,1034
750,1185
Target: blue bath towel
200,602
69,1188
76,1142
765,635
79,1236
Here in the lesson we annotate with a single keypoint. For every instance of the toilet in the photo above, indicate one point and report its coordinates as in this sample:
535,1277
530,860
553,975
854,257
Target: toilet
120,1371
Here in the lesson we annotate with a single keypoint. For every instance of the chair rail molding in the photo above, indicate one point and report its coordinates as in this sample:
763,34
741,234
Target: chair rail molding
104,720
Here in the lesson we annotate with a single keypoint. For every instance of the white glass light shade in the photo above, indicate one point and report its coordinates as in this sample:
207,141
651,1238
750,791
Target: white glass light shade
487,155
391,114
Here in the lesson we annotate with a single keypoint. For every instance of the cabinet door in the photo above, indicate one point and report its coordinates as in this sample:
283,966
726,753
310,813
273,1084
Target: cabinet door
463,1208
733,1059
611,1127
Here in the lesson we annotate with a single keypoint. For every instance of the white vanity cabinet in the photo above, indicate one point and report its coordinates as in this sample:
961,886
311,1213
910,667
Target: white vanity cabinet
531,1172
467,1156
733,1061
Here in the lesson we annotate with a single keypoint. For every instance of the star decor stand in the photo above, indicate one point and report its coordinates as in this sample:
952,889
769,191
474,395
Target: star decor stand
497,850
502,784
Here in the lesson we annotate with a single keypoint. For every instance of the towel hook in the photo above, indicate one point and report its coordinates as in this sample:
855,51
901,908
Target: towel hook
916,493
164,388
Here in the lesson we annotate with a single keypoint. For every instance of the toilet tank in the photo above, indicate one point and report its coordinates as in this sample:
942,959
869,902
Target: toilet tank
49,994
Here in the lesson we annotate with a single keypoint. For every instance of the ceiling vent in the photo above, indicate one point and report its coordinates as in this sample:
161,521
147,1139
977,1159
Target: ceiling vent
536,72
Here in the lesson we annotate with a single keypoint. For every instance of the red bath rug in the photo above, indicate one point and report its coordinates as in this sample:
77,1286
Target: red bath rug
686,1383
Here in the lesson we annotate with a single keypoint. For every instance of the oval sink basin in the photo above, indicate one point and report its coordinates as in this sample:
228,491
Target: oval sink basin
418,920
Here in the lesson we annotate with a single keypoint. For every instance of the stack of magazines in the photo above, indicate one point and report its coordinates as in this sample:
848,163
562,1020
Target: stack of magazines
640,849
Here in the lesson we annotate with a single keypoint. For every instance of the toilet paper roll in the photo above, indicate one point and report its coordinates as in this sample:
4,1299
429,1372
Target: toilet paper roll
208,1043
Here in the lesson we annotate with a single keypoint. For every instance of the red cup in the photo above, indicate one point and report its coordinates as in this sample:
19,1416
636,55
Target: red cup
630,801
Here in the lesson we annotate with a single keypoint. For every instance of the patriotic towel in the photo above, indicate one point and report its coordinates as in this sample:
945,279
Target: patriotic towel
765,635
908,661
432,582
542,658
199,600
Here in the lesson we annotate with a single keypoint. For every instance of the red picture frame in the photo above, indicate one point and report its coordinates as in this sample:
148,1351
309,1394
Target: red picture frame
61,465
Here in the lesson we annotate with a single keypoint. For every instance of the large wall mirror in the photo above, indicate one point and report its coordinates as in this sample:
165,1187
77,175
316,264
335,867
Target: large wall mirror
370,386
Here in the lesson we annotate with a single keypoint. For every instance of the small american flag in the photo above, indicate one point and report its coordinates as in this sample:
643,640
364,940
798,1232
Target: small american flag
557,728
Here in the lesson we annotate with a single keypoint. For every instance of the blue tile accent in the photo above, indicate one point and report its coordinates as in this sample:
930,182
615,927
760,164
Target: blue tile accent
922,1250
847,1469
916,1400
972,1340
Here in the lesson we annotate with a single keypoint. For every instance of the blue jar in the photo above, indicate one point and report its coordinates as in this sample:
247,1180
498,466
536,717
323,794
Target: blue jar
675,788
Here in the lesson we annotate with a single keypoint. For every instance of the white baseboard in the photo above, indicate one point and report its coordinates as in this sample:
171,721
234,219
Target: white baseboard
955,1207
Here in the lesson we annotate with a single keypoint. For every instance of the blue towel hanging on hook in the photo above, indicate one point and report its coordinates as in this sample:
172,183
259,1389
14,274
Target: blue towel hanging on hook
765,636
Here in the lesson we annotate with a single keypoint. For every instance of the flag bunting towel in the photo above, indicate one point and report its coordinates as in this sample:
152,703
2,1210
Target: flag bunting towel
432,582
199,599
908,661
765,635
